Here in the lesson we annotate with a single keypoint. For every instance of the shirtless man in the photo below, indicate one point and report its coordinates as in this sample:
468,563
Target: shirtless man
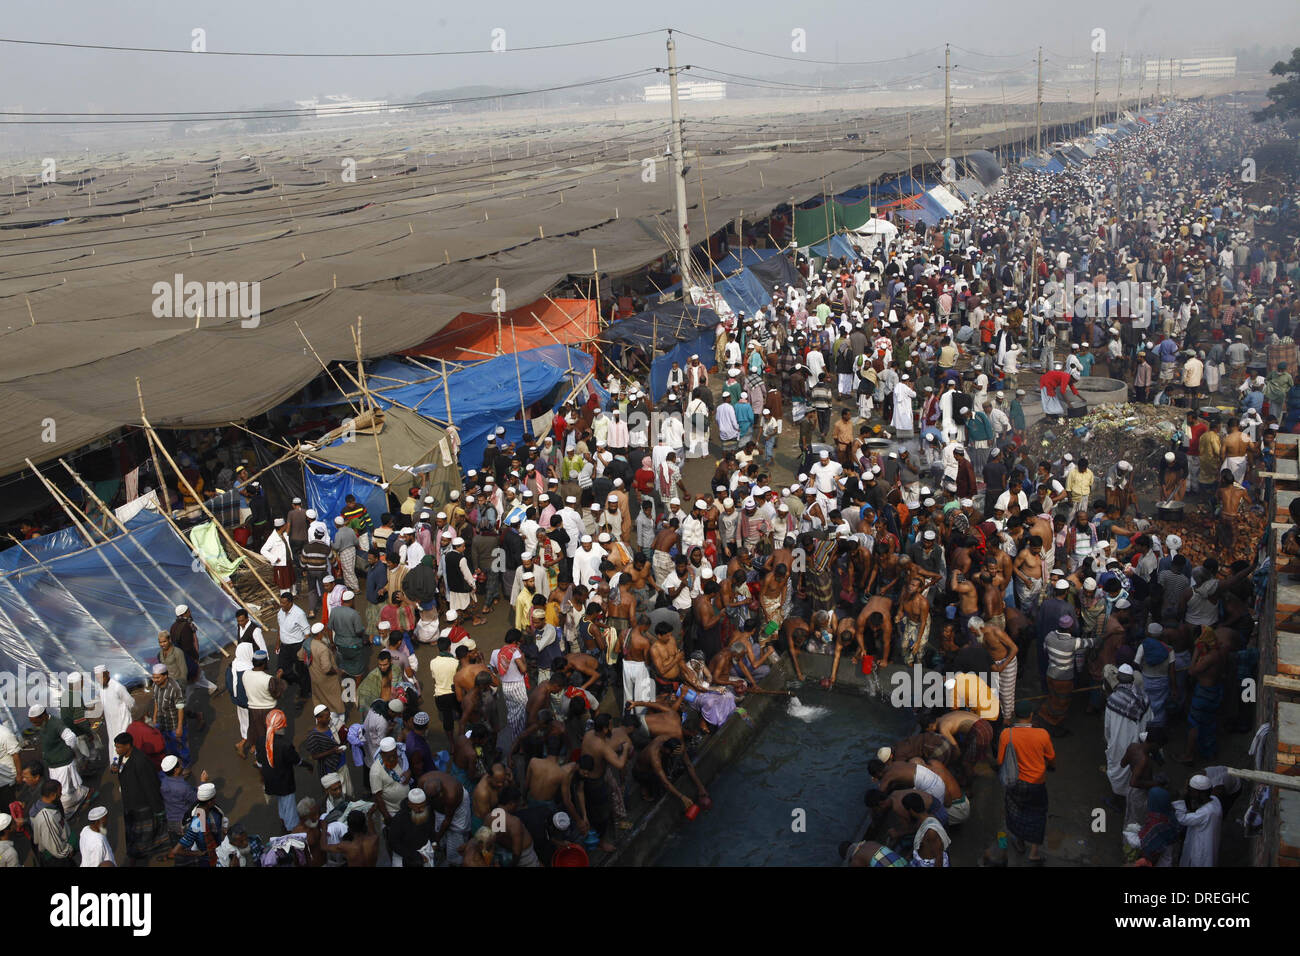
888,808
663,716
847,638
476,705
993,588
469,669
511,832
968,598
771,594
665,540
873,633
654,778
597,754
486,792
473,753
444,795
1031,575
1209,658
549,779
792,636
1236,450
360,845
667,662
1138,758
1002,649
914,617
906,775
584,664
926,744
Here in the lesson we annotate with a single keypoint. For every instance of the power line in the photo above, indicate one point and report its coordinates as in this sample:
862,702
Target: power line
286,113
427,53
804,59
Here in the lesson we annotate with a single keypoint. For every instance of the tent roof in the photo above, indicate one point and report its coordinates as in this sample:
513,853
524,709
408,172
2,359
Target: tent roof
409,249
405,438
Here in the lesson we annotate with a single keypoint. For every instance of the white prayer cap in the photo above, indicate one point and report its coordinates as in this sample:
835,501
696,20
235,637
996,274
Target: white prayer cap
440,514
1173,542
338,521
1169,456
1155,629
100,669
1123,604
1126,669
318,627
1123,465
385,626
207,791
884,753
1199,782
825,454
613,497
279,522
349,595
6,821
311,513
929,535
456,542
388,745
674,500
1062,585
570,500
96,813
595,506
330,780
169,763
451,615
701,503
415,796
585,539
706,573
1090,584
728,503
318,710
297,501
157,669
181,609
396,706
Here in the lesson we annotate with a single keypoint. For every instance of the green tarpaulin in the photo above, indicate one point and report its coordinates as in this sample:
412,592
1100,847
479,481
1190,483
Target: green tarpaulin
812,226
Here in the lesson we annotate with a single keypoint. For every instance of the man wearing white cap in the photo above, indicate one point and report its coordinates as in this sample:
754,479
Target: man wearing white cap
586,561
1127,714
390,777
58,752
117,709
326,676
460,579
904,394
1202,814
8,852
92,842
279,555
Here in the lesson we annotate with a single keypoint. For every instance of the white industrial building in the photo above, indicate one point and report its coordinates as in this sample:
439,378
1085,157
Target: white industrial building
337,105
1192,68
659,93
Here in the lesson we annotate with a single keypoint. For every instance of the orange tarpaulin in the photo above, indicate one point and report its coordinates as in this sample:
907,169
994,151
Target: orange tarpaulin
472,336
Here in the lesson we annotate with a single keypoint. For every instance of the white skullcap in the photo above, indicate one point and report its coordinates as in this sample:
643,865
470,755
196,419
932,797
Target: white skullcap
181,609
385,626
96,813
279,522
330,780
1199,782
415,796
159,669
207,791
884,753
388,745
338,521
318,627
349,595
318,710
169,763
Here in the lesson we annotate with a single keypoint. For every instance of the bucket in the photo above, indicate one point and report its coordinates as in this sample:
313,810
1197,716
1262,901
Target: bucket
868,664
570,856
693,811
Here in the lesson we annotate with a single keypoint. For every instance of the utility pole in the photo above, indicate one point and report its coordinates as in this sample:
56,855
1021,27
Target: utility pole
1142,75
1171,77
678,169
1119,85
1038,108
1159,63
1096,90
947,101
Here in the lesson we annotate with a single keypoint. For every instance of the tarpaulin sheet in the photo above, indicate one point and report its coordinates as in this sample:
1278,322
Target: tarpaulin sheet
206,542
814,225
486,395
743,292
676,330
63,609
327,494
838,247
472,336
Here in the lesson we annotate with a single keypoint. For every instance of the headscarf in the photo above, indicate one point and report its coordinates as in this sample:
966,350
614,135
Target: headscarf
243,657
274,721
1154,653
1208,639
1159,831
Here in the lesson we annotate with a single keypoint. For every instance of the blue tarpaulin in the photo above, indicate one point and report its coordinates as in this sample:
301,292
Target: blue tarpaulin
327,493
743,292
64,609
838,247
677,329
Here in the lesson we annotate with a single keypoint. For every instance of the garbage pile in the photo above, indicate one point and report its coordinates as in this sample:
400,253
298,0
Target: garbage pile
1206,535
1138,434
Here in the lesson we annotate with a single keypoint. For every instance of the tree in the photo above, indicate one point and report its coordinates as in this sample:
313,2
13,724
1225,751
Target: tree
1285,95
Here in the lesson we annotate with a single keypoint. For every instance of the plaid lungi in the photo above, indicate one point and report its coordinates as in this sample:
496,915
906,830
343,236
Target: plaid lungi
145,832
1026,808
1057,704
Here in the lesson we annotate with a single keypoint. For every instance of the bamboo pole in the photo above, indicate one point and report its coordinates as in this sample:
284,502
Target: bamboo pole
325,367
523,406
446,392
374,418
157,444
123,529
164,497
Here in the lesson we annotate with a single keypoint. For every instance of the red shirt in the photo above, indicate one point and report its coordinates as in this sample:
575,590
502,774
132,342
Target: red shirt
1194,441
1057,382
148,740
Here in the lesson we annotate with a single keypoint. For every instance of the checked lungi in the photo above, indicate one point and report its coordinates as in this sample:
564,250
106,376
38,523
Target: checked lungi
1203,714
1057,705
1026,809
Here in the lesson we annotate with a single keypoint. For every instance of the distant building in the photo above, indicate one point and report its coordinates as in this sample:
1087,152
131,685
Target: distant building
336,105
1192,68
659,93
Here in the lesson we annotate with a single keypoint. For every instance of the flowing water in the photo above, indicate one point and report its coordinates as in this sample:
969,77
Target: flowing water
811,756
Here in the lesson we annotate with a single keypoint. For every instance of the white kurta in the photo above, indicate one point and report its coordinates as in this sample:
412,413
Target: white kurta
1201,843
94,848
902,418
1120,732
117,708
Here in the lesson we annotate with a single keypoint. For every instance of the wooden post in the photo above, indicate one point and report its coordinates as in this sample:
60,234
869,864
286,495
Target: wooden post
446,390
164,497
326,368
523,406
370,403
157,444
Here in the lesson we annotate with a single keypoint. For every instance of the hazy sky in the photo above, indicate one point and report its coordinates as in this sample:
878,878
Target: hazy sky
39,78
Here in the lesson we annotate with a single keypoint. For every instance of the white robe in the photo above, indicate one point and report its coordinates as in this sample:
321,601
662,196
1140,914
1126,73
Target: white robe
117,708
1201,843
902,419
1119,733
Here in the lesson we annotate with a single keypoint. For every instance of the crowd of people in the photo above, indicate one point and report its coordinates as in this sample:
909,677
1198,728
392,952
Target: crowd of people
906,521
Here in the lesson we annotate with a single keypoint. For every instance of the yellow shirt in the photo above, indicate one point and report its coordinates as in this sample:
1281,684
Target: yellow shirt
1079,484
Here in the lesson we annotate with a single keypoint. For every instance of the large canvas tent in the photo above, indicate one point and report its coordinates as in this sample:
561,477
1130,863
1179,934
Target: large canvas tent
410,445
67,606
473,336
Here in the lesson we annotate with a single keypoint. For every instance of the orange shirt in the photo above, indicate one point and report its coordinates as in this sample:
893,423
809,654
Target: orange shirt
1033,747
